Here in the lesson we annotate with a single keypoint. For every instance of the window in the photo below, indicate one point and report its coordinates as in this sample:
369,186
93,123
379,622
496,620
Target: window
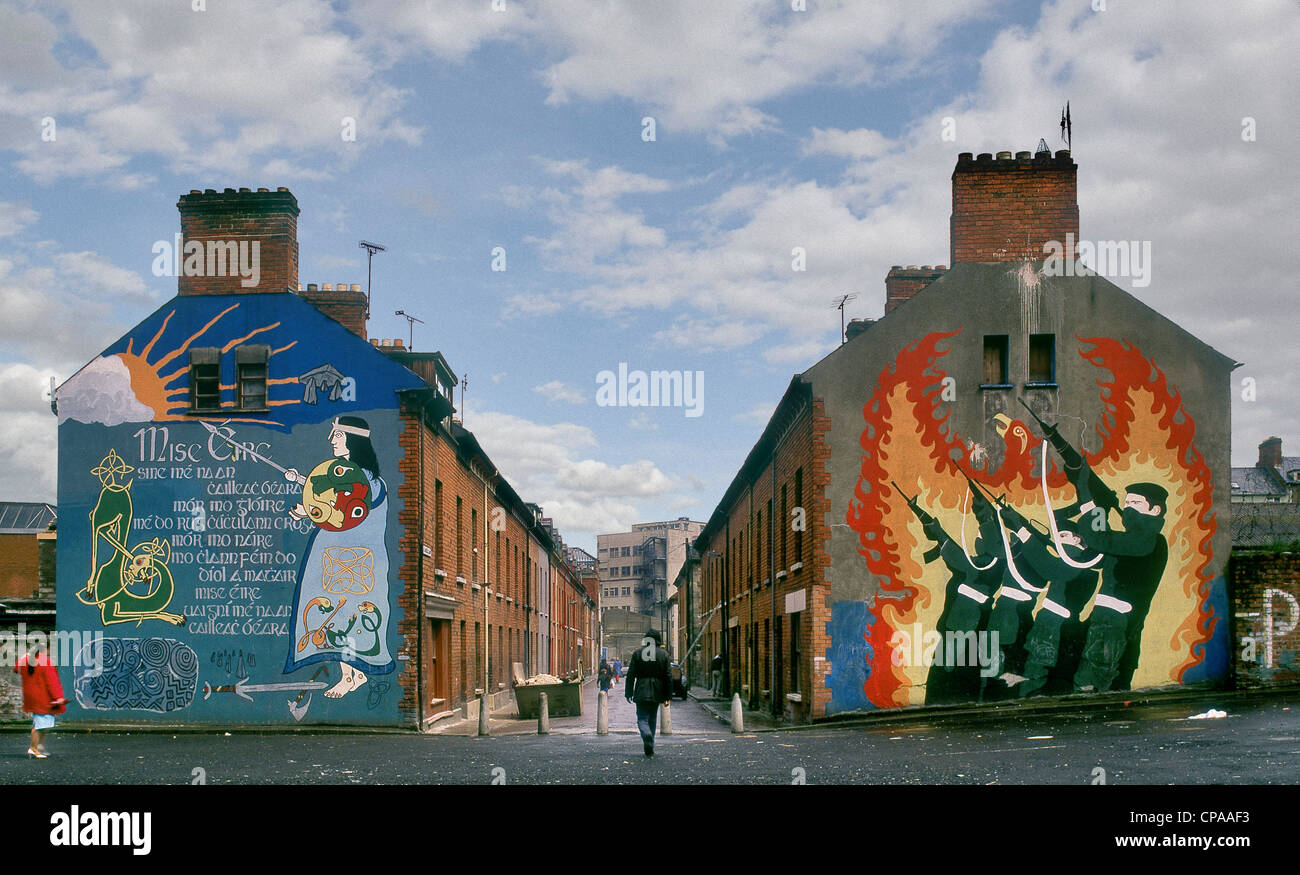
627,551
437,524
250,373
785,521
995,359
1042,358
473,543
460,536
798,502
794,652
627,590
205,379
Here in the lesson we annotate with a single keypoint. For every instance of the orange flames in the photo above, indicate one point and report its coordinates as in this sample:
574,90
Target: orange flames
1147,436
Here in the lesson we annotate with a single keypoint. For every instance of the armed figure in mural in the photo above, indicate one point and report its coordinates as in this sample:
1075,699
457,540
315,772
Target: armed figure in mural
968,599
1132,561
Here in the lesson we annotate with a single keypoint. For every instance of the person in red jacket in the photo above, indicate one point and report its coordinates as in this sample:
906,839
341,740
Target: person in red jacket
42,695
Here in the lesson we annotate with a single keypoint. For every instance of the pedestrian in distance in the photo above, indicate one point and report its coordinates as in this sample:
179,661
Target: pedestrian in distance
649,685
716,667
605,676
618,669
42,695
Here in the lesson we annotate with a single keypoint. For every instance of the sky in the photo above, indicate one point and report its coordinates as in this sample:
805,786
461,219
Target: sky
648,175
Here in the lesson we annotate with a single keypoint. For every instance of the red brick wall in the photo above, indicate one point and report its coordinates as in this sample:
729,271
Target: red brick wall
342,303
1265,607
1005,209
902,283
512,626
18,565
750,557
268,217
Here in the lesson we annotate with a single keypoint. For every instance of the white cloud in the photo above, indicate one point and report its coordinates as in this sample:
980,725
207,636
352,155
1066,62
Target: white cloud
160,83
556,390
28,433
860,143
551,465
15,217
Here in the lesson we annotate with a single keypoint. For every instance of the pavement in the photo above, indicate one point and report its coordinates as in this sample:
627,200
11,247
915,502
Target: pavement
622,718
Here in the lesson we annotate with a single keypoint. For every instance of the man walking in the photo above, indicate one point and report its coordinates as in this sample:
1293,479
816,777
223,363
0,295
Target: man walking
716,668
649,684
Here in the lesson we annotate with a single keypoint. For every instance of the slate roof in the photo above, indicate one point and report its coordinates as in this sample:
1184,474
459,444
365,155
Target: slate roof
22,517
1256,480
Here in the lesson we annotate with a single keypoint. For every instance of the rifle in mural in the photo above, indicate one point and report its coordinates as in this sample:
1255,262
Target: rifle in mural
1000,502
929,524
1077,470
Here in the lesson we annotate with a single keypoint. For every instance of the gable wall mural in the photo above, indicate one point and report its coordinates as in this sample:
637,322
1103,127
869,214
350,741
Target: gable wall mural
1051,571
241,564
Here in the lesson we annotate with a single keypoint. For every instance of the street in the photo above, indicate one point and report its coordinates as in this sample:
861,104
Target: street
1154,743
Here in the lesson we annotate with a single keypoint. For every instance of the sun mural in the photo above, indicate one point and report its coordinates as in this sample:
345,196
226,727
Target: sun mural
167,392
1147,449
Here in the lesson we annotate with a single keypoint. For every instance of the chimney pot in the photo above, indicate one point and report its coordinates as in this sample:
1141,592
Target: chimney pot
312,287
1004,156
209,191
985,157
328,287
282,188
195,191
263,189
243,189
355,287
1023,156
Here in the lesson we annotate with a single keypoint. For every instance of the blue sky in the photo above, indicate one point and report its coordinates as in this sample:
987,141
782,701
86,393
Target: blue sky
519,124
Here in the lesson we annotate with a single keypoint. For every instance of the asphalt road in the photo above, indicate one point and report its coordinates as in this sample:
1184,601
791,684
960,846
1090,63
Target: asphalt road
1257,743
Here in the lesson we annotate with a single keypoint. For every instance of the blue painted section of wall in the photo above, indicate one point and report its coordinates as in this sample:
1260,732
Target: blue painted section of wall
1214,665
850,657
151,501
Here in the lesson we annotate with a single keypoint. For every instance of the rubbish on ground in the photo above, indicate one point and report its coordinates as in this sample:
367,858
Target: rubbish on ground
1211,714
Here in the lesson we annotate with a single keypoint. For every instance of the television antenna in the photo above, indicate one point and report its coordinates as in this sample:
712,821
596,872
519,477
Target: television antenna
839,305
410,322
371,249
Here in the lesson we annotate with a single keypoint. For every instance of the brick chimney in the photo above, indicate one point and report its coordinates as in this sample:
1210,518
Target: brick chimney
902,283
1270,453
856,327
1005,209
345,304
249,242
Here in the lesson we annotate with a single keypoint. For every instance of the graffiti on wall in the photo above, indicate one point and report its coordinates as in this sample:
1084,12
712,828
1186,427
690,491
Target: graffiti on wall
195,521
1059,571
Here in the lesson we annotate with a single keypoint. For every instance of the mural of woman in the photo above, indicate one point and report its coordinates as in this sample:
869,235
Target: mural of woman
341,604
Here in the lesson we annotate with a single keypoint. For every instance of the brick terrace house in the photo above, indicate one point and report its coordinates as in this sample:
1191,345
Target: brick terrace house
831,596
272,520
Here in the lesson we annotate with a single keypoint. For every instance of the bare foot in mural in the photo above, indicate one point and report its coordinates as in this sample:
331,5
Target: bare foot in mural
351,680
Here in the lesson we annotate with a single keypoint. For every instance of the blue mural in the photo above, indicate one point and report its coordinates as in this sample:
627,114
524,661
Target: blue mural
183,515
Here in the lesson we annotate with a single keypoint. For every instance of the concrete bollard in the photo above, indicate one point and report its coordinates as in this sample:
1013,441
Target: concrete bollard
602,713
666,719
543,715
737,714
483,715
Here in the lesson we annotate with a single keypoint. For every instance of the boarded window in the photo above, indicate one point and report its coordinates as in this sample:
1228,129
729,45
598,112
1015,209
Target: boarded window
995,359
205,379
1042,358
250,367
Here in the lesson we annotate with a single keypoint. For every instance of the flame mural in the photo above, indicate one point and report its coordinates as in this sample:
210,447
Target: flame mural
1147,437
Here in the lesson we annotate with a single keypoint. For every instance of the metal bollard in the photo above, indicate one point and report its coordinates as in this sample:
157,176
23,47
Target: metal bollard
737,714
483,728
666,719
602,713
543,715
